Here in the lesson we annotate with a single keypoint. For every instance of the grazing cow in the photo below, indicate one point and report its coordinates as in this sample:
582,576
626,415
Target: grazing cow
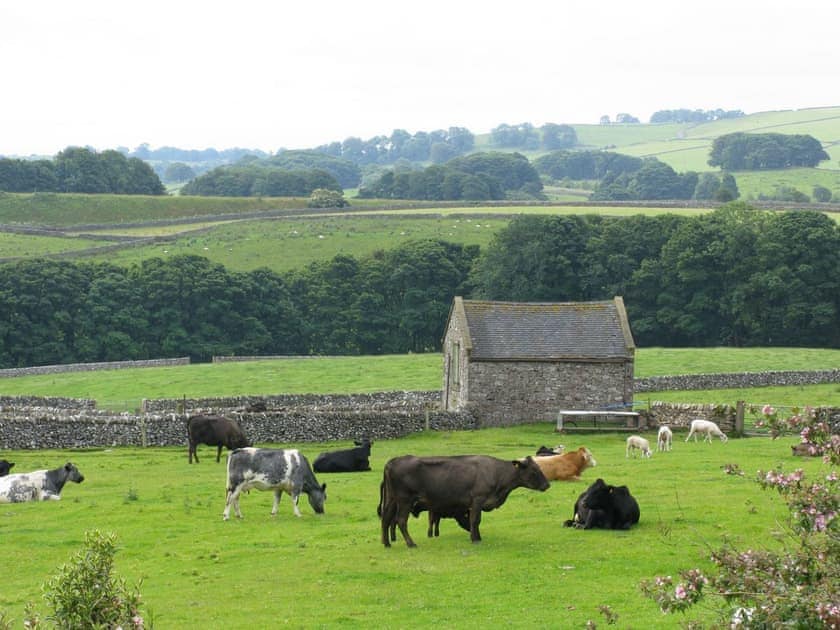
566,466
214,431
272,469
451,485
544,451
664,438
637,443
39,485
5,467
605,506
708,428
348,460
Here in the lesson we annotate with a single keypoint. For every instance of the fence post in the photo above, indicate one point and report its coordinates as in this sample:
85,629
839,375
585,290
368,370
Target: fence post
739,418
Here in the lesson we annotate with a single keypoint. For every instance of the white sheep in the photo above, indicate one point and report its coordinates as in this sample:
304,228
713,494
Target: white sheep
637,442
664,438
707,427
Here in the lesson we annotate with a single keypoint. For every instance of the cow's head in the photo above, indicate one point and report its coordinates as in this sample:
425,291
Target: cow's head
530,474
602,496
5,467
588,460
317,497
73,473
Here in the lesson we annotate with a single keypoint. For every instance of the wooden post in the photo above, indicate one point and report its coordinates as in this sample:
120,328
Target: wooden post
739,418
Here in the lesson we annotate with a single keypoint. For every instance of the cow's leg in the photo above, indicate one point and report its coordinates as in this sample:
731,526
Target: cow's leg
190,453
219,454
277,494
388,522
402,523
475,520
232,500
193,453
295,499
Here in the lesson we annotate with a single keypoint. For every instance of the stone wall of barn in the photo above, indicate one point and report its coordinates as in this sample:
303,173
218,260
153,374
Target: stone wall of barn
517,392
455,393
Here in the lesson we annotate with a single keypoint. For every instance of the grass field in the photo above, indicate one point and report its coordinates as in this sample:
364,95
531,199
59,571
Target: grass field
124,389
331,570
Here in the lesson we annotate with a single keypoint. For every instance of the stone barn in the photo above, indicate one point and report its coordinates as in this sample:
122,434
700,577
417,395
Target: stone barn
519,362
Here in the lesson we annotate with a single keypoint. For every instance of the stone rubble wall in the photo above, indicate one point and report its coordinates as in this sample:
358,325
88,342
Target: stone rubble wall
91,367
286,419
34,423
735,381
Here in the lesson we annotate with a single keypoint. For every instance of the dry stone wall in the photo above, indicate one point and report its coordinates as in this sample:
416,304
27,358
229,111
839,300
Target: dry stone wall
285,419
735,381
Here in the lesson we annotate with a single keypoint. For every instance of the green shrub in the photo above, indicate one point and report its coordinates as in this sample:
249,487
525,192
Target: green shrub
85,594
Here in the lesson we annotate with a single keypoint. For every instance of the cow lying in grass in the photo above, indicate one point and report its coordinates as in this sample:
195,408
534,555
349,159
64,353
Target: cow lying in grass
356,459
39,485
566,466
604,506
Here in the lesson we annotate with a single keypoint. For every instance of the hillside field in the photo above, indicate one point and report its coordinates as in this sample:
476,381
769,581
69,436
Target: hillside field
125,389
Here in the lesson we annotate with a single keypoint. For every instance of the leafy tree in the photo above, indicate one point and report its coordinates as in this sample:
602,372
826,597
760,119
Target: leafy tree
521,136
558,136
707,187
324,198
821,194
178,172
535,259
626,119
346,173
744,151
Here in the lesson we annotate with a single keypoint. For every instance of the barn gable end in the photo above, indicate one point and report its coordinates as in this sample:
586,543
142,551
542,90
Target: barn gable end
517,362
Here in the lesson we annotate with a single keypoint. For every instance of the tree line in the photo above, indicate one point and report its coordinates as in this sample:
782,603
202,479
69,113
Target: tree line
81,170
475,177
733,277
757,151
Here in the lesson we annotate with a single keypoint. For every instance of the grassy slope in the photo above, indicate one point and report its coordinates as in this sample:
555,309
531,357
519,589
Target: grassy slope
124,389
331,570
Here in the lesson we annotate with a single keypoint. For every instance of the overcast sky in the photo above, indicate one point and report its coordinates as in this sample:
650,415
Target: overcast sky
299,73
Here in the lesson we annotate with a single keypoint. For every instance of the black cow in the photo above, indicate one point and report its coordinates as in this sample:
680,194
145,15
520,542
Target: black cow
5,467
451,485
348,460
545,451
604,506
214,431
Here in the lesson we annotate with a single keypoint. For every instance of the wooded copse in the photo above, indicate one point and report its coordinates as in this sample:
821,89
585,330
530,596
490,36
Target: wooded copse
734,277
81,170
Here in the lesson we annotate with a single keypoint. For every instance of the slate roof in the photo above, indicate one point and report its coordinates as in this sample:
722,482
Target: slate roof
533,331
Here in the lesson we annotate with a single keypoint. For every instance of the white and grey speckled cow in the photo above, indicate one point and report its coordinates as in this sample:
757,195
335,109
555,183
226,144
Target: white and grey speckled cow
39,485
272,469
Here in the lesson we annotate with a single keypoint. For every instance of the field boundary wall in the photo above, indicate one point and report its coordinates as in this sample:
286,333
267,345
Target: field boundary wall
91,367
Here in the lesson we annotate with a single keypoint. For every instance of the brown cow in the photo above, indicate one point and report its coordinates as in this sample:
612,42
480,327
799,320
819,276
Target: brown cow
566,466
214,431
454,486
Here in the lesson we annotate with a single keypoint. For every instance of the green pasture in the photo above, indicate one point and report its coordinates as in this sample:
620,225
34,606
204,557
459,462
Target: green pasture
70,209
124,389
331,570
753,183
14,245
